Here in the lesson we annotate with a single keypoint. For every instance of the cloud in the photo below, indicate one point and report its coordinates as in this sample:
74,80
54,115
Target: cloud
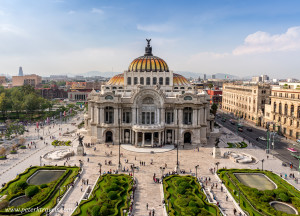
263,42
71,12
97,10
155,28
7,28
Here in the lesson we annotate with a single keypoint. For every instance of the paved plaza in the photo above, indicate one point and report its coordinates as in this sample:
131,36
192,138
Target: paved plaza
147,191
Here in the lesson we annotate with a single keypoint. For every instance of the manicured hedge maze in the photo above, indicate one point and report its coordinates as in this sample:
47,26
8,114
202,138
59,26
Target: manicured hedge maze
256,202
111,196
183,196
41,196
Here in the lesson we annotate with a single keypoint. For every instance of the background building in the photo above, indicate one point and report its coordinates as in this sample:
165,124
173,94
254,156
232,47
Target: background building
215,96
283,114
246,101
33,80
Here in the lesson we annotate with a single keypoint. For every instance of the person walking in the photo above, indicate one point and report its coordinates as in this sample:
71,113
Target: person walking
147,206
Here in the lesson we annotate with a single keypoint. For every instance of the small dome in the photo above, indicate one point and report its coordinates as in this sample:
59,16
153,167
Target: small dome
148,62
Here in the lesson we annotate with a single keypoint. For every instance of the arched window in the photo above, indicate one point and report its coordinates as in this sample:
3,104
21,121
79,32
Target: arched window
148,81
109,115
280,109
128,80
161,81
285,109
187,115
154,81
135,80
142,80
187,98
292,110
275,107
167,81
109,97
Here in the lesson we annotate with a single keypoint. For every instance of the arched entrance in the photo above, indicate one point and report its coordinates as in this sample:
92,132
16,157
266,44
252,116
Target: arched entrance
108,136
187,137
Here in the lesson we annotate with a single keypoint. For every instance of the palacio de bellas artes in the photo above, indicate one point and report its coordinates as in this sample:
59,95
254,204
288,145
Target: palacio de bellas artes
149,106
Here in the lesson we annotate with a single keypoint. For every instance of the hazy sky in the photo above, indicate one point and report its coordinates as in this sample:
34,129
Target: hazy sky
239,37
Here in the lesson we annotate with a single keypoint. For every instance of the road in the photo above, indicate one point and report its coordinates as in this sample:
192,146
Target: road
280,148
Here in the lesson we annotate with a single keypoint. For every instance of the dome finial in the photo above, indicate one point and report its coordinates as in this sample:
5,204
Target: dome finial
148,48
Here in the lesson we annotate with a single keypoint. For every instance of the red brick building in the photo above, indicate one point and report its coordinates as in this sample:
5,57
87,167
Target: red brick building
215,96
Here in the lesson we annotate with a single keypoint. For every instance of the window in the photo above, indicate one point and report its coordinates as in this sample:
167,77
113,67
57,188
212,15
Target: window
148,81
291,132
291,122
109,115
109,97
298,112
292,110
161,81
127,116
128,80
297,135
148,118
142,80
293,96
280,94
280,109
187,98
154,81
285,109
135,80
187,115
169,117
167,81
274,106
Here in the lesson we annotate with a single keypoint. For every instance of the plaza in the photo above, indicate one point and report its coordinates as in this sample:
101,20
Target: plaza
159,162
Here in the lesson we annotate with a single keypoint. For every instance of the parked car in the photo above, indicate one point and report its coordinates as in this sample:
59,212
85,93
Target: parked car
262,138
292,149
240,129
223,120
249,129
298,141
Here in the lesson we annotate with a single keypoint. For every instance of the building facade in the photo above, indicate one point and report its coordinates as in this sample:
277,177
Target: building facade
246,101
283,114
33,80
149,105
215,96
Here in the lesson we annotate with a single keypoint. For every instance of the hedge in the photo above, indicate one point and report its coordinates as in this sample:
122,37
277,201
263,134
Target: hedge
256,202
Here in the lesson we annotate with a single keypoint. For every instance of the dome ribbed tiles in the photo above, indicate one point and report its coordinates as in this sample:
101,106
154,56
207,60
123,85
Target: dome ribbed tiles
148,64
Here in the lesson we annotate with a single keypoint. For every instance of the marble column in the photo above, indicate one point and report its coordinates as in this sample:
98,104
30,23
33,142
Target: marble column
143,141
136,139
98,115
159,137
152,138
102,115
133,111
194,117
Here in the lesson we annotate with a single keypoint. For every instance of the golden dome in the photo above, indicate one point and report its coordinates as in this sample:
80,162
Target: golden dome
148,62
178,80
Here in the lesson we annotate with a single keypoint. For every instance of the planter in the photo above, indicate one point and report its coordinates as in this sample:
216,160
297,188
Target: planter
3,157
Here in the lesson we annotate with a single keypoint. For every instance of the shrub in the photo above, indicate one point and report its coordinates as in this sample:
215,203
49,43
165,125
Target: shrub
104,210
13,152
31,191
22,147
21,184
113,187
43,185
181,190
3,157
284,197
96,211
4,204
112,195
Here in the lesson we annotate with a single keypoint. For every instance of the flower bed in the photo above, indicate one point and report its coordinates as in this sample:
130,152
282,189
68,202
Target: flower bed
183,196
111,196
237,145
61,143
42,196
256,202
3,157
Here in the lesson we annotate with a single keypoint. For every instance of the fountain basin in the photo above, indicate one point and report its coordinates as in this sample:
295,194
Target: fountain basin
19,200
284,207
256,180
59,154
44,176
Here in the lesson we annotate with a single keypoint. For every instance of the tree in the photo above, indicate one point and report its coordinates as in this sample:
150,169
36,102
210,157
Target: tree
210,85
31,103
4,104
214,109
2,151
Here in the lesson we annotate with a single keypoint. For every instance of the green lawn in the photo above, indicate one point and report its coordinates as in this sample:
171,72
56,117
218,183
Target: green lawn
256,202
237,145
47,193
183,196
110,196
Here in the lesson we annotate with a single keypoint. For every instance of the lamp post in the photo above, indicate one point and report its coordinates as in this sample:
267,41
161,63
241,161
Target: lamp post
196,167
100,165
262,164
217,164
132,168
162,171
40,160
177,164
119,166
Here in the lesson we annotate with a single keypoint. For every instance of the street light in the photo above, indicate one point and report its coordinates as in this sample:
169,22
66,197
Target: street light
262,164
217,164
196,167
177,164
119,143
100,165
162,171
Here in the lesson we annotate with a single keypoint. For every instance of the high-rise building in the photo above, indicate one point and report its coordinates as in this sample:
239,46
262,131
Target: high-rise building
213,76
20,71
204,77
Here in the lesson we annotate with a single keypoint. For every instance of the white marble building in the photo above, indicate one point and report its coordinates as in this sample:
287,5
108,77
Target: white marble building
149,105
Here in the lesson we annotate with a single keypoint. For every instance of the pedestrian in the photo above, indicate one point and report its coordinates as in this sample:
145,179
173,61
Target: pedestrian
226,197
88,160
147,206
81,188
87,181
234,211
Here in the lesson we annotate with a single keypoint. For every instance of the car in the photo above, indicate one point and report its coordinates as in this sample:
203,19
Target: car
249,129
262,138
223,120
240,129
298,141
292,150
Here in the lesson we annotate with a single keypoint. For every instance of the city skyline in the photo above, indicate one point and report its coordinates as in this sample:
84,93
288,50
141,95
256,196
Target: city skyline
232,37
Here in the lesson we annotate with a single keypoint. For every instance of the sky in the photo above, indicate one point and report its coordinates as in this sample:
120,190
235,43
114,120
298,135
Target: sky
64,37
